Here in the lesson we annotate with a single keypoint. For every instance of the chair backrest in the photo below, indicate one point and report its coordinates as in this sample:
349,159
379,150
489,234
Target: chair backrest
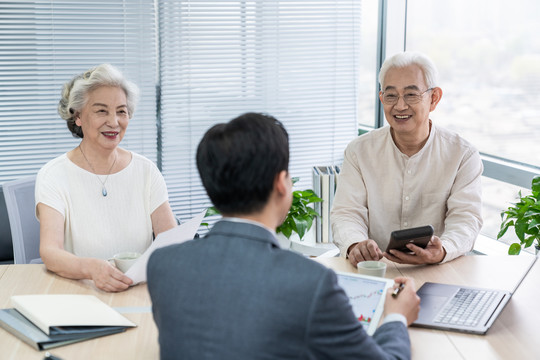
20,205
6,247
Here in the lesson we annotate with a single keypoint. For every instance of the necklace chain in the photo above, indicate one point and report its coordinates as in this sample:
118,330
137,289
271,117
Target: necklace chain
103,187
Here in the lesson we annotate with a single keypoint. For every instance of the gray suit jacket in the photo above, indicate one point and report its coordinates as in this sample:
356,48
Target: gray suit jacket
235,294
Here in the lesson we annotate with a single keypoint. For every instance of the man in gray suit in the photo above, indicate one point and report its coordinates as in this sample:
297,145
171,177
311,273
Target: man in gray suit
234,294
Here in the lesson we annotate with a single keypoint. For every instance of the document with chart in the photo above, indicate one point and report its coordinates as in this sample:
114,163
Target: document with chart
366,295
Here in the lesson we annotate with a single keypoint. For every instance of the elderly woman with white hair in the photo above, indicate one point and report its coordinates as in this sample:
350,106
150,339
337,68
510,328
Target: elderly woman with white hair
98,199
408,174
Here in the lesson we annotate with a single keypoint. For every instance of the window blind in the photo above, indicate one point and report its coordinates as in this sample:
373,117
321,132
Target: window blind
43,44
295,60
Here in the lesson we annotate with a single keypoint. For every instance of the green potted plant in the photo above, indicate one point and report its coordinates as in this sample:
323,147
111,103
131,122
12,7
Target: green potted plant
524,216
300,216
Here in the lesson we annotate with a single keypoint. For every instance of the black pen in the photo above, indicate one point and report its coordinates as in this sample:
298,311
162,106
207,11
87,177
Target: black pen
398,290
49,356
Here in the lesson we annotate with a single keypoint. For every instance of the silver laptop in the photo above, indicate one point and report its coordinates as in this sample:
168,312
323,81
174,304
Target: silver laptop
461,308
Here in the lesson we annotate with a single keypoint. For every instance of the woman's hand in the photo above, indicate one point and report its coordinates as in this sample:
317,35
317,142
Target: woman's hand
105,276
108,278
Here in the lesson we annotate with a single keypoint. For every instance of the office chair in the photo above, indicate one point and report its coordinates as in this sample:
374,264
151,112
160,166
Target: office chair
19,197
6,247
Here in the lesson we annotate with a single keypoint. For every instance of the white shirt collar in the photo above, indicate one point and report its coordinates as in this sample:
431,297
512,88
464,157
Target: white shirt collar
252,222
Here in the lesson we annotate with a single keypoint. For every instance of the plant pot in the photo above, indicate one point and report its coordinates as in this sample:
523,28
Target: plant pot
309,238
284,243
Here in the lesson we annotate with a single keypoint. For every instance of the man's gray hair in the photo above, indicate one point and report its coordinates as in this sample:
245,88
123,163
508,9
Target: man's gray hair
407,58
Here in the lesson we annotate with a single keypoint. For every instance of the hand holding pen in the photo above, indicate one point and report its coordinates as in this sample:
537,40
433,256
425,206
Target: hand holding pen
407,303
397,290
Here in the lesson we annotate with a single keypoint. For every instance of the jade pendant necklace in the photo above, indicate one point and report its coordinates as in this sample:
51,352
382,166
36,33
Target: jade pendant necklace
103,187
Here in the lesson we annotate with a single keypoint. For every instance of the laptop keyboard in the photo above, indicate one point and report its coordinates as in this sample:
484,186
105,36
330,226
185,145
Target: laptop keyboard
466,307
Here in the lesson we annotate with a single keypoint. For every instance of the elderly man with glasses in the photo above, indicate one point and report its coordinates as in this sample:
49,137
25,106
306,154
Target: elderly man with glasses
411,173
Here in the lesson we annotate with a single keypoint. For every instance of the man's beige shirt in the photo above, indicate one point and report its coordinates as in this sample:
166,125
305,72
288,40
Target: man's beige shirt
380,190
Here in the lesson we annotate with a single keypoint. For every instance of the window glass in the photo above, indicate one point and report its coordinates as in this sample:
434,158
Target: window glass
368,85
488,56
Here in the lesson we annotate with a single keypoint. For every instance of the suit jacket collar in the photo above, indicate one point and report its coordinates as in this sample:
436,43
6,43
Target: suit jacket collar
245,230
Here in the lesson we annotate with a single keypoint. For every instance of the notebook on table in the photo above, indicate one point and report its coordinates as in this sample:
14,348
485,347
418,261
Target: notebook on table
48,321
462,308
367,295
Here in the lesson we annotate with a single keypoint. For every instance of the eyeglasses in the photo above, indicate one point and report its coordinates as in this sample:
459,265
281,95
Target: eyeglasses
411,97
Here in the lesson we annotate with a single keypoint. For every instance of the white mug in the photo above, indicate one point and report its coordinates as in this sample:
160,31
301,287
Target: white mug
372,268
125,260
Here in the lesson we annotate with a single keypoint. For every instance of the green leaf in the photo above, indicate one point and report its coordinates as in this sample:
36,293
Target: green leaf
514,249
361,131
285,228
528,201
305,194
211,211
504,227
536,183
311,212
531,214
309,220
534,223
520,228
529,241
510,213
301,226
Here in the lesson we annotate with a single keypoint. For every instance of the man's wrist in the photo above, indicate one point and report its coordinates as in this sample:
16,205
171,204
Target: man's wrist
349,249
395,317
443,254
439,260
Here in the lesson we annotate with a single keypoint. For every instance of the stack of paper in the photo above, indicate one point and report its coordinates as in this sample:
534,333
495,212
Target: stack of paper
324,185
47,321
176,235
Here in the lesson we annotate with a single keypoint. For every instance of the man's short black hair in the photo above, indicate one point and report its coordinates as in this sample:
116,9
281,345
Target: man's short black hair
239,161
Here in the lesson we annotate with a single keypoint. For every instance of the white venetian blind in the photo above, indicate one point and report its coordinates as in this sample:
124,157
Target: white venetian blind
43,44
293,59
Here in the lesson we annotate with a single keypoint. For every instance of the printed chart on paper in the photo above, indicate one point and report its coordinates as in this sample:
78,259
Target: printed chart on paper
364,296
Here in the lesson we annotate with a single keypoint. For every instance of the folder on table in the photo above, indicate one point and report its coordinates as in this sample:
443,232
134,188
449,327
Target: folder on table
47,321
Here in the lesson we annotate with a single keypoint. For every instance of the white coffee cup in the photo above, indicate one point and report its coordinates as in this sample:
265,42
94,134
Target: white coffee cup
125,260
372,268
